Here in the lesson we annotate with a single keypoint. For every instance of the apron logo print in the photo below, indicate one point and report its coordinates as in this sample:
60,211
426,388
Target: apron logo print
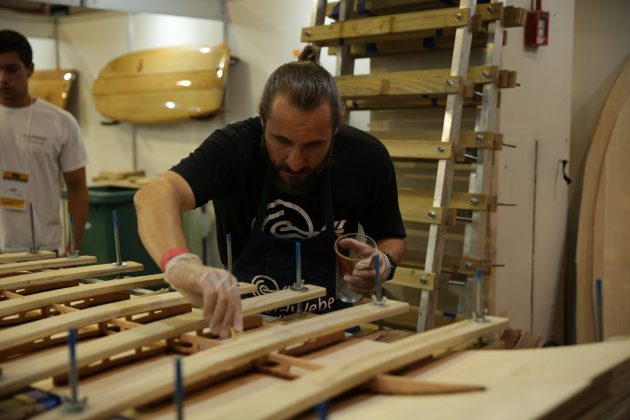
264,285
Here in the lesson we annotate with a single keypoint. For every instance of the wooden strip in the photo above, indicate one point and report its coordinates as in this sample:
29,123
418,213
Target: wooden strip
83,291
65,274
22,373
467,139
411,149
451,263
387,7
46,327
405,102
157,383
414,199
420,82
290,399
400,385
11,257
48,263
372,29
415,278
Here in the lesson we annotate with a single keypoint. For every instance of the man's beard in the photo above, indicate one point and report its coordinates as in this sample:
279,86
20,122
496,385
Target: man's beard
296,188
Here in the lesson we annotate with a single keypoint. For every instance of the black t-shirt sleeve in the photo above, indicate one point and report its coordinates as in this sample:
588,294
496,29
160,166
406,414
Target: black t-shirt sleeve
215,168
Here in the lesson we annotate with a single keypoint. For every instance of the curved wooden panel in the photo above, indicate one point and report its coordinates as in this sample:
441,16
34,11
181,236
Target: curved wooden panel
162,85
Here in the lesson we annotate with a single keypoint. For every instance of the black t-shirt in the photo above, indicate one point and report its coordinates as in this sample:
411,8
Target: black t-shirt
228,168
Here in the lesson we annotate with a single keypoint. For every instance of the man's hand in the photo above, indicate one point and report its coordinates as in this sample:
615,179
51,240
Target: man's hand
362,278
213,289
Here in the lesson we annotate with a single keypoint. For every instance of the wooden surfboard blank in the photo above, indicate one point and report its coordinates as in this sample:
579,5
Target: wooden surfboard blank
53,86
21,373
158,382
162,85
66,274
12,257
48,263
620,91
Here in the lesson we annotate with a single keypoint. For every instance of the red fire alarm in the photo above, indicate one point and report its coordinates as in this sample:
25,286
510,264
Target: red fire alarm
537,27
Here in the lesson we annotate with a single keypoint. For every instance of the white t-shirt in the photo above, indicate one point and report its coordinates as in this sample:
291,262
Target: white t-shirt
43,141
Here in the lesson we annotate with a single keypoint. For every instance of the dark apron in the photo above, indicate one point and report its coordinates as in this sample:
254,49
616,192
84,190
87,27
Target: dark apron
269,262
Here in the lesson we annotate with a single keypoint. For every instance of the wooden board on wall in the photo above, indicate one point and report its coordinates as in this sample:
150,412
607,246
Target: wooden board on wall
53,86
163,84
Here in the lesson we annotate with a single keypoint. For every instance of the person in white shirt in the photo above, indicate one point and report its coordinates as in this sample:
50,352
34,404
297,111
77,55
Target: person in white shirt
39,145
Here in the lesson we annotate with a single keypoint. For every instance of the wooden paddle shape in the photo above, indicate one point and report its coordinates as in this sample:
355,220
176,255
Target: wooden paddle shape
162,85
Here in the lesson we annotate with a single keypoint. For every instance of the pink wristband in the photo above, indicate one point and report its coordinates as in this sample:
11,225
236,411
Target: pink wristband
170,253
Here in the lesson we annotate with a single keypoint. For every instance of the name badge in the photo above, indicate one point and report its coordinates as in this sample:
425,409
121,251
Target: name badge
13,190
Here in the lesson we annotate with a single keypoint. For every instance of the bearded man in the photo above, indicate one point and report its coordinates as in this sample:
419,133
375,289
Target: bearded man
295,173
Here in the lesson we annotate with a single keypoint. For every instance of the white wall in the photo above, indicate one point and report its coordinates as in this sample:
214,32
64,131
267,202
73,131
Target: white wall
536,117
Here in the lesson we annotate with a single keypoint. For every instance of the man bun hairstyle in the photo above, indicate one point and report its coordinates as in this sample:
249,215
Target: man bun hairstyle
11,41
306,84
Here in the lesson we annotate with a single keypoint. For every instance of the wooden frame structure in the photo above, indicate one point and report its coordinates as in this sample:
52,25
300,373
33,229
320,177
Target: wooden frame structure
375,27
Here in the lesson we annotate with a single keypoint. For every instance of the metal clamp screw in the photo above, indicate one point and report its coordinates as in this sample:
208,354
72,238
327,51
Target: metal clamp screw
474,201
490,9
441,149
468,265
424,280
485,74
432,214
458,16
478,138
450,83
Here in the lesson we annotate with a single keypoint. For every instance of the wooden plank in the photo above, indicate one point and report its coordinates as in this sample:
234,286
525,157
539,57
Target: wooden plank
83,291
53,86
451,263
413,150
162,84
48,263
11,257
386,7
21,373
415,278
157,383
290,399
420,82
415,82
49,326
467,139
372,29
417,199
405,102
593,169
65,274
46,327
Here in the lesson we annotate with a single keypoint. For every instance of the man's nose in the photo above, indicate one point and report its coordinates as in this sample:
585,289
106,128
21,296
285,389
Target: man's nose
296,159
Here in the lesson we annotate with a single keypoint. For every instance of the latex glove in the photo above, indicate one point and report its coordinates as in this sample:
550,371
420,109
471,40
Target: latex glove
212,289
362,278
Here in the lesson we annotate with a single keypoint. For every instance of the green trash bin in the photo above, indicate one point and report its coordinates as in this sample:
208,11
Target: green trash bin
98,237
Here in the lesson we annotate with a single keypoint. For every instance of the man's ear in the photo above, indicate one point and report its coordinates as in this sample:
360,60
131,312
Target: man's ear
30,69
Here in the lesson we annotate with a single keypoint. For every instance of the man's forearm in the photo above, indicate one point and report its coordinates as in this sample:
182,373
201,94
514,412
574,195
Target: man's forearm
159,206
